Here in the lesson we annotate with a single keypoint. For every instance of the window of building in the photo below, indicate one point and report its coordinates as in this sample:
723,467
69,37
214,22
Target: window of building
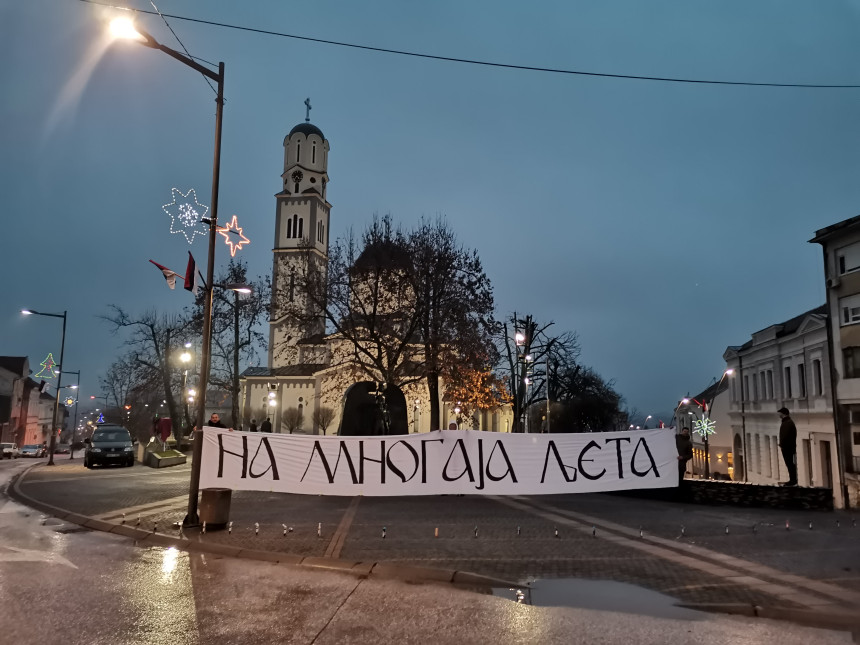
757,454
849,309
851,358
763,379
746,387
298,152
786,383
817,382
801,380
849,258
755,388
301,223
770,384
314,153
289,228
857,438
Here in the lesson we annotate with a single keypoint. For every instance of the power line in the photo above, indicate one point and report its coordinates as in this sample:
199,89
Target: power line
451,59
181,44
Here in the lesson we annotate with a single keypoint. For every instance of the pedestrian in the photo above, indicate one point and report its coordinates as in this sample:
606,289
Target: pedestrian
266,426
788,445
215,421
685,452
253,427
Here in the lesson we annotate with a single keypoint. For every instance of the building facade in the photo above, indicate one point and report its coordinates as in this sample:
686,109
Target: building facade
840,244
785,365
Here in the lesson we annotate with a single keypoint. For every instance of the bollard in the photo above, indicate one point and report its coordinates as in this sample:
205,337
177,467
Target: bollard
383,532
319,529
593,531
204,528
640,531
556,531
810,525
138,519
154,527
285,529
755,528
727,529
256,528
476,531
518,531
683,531
123,518
436,532
229,528
837,524
290,530
787,526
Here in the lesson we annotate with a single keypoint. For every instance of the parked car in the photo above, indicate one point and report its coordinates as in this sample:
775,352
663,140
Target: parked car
33,450
9,451
110,444
61,449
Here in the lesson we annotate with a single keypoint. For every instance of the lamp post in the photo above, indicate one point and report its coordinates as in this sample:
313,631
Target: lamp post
53,442
124,28
76,386
185,357
237,288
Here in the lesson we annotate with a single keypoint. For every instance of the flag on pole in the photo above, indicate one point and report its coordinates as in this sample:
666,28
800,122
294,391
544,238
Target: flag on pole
169,275
191,275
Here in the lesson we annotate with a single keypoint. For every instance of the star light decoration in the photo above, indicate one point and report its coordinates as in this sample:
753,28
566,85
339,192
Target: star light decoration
704,427
185,214
233,236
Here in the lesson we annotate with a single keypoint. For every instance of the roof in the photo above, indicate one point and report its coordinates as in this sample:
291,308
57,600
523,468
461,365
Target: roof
307,129
788,327
823,233
13,363
710,393
306,369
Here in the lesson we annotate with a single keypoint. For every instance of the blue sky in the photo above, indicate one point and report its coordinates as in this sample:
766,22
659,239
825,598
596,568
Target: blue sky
661,222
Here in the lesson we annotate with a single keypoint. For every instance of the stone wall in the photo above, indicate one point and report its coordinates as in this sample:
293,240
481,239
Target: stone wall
696,491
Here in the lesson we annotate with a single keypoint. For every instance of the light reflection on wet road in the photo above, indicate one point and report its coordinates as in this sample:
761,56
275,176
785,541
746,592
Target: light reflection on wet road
62,584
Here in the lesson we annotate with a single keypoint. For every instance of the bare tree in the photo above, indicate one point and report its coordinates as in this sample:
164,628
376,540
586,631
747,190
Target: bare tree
323,417
292,419
236,335
153,340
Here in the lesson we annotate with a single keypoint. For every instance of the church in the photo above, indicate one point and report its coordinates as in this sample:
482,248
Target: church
305,388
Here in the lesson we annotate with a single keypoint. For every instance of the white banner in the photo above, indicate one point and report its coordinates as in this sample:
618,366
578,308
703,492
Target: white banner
441,462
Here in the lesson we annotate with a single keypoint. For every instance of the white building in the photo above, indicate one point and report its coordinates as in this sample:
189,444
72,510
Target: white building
307,372
784,365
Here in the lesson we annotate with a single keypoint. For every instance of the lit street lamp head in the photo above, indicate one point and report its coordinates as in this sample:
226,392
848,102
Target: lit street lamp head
124,29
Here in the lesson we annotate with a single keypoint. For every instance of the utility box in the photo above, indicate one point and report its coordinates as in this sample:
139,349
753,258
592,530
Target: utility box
215,506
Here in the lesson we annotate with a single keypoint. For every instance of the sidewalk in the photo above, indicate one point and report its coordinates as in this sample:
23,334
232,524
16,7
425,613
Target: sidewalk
757,564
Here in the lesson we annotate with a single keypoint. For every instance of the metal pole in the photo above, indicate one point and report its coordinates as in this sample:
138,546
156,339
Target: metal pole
191,517
75,425
743,415
53,441
237,421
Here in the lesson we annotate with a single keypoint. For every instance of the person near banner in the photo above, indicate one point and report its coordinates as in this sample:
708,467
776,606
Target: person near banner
253,426
266,426
685,452
215,421
788,445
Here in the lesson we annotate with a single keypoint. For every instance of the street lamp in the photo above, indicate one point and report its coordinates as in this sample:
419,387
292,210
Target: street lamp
236,288
124,28
76,386
53,442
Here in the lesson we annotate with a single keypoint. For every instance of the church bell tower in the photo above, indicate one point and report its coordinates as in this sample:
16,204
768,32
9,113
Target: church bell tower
301,242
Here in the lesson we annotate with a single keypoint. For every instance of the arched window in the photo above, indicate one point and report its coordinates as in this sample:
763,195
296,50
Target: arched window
298,152
296,226
289,228
314,153
301,221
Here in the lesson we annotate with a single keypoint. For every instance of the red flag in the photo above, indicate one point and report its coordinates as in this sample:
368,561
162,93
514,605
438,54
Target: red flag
169,275
191,275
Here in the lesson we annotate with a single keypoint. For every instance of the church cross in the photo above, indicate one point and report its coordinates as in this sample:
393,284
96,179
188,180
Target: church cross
308,110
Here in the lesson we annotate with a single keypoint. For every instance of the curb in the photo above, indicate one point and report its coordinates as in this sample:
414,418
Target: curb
406,573
843,621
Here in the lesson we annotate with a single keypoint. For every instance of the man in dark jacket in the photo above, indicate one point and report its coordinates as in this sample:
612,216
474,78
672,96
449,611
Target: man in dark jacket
685,452
266,426
788,445
215,421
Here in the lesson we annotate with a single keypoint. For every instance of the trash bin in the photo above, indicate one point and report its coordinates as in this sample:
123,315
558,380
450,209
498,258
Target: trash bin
215,507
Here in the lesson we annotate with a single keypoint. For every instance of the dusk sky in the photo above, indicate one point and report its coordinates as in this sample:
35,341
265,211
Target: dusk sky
660,221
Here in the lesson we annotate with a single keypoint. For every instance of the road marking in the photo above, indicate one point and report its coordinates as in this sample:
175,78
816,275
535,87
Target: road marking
144,509
339,537
28,555
668,550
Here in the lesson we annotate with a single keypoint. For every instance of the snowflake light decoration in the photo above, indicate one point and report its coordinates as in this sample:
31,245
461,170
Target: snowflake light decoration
704,427
233,236
185,214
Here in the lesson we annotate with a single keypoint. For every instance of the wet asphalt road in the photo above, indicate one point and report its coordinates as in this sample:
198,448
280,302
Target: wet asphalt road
63,584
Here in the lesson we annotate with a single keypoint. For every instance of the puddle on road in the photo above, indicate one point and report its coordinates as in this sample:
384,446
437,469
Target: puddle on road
603,595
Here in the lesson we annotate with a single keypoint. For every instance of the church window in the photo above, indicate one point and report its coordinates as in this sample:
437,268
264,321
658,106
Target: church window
314,153
295,226
289,228
301,221
298,152
297,188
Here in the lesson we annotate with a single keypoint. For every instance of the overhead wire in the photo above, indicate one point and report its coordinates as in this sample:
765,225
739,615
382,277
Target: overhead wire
181,44
452,59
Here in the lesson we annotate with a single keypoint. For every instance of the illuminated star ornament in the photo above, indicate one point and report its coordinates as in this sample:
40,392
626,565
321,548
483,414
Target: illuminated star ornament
704,427
47,370
69,401
233,236
185,214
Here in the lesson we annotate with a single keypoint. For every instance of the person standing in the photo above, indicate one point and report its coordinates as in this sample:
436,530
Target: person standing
266,426
215,421
788,445
253,426
685,452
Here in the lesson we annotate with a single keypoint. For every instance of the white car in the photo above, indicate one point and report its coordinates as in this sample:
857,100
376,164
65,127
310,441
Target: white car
9,451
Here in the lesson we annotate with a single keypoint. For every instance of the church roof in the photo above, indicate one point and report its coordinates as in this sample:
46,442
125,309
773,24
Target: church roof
307,129
306,369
